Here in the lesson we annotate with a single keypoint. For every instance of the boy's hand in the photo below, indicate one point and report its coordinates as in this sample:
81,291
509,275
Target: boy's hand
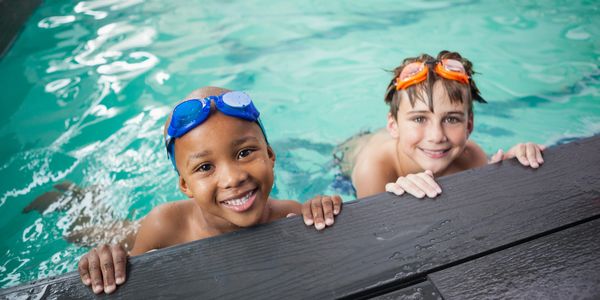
419,185
321,210
528,154
104,268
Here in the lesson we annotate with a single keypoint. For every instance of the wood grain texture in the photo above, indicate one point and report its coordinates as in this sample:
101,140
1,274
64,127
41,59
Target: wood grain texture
377,243
564,265
422,291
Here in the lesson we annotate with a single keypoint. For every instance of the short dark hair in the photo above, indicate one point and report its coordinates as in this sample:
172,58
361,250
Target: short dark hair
457,92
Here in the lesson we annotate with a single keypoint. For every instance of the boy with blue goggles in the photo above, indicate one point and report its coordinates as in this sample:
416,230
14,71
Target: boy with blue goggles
188,114
227,176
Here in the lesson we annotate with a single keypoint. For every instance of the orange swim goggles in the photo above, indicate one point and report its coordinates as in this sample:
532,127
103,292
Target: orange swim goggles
416,72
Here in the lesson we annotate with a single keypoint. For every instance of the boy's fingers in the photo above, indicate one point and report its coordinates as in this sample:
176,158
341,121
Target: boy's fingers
431,182
522,154
419,181
108,269
82,267
317,212
337,204
496,157
290,215
410,187
307,214
531,155
429,173
327,203
395,188
120,260
95,273
538,155
514,151
523,159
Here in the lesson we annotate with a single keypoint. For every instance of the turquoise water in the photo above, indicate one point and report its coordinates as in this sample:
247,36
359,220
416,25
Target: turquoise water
87,85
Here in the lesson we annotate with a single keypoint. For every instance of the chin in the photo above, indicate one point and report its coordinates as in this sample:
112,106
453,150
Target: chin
248,218
436,168
246,221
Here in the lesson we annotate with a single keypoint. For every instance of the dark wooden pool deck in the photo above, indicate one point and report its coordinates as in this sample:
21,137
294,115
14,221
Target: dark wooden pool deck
502,231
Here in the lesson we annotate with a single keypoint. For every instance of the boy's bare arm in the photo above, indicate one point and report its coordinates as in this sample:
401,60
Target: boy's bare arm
369,177
156,229
475,157
283,208
104,267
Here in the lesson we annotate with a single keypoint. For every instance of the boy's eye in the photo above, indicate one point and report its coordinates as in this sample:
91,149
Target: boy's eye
244,153
419,119
452,120
204,168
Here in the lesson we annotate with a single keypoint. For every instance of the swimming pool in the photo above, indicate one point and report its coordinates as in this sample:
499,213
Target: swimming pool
87,85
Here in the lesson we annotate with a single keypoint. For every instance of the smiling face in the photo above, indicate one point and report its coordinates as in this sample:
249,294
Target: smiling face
431,140
226,166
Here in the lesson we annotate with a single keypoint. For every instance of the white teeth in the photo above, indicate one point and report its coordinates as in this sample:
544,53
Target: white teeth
435,152
239,201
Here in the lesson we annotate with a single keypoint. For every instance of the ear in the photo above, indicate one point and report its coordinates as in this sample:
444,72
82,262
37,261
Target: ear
271,154
470,125
184,188
392,126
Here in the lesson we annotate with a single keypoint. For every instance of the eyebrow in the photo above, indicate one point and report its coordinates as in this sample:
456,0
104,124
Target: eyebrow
418,112
454,112
197,155
243,140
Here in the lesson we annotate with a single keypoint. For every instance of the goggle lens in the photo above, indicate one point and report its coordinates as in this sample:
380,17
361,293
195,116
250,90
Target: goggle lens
411,70
237,99
186,112
453,65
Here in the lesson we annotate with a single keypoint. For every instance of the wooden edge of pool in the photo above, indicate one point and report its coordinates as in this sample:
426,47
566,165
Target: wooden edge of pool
500,231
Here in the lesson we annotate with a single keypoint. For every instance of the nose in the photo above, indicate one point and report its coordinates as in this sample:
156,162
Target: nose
231,175
436,133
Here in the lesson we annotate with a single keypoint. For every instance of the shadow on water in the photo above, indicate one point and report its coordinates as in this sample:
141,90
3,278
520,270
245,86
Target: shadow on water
311,174
504,109
90,220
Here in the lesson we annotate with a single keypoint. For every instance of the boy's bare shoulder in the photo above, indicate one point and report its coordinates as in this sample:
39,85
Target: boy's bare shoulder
281,208
163,226
170,213
473,156
374,167
378,150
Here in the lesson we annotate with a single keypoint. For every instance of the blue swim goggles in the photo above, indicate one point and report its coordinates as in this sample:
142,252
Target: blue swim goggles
188,114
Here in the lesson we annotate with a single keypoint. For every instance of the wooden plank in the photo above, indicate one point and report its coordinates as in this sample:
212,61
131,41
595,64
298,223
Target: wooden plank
563,265
377,243
423,291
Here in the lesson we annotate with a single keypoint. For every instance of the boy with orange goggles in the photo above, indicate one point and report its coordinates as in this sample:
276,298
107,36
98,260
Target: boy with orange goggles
416,72
421,143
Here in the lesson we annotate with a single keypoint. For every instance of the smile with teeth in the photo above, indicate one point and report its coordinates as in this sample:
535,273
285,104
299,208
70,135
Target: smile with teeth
240,204
435,153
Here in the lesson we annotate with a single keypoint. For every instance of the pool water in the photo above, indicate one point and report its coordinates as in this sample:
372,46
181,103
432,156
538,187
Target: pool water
87,86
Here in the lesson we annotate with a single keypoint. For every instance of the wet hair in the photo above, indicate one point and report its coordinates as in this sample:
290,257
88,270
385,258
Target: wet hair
457,92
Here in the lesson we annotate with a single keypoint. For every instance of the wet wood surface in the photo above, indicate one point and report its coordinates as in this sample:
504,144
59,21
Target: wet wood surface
563,265
379,244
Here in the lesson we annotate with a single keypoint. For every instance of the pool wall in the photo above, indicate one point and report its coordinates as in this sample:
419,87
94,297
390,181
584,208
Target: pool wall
13,14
